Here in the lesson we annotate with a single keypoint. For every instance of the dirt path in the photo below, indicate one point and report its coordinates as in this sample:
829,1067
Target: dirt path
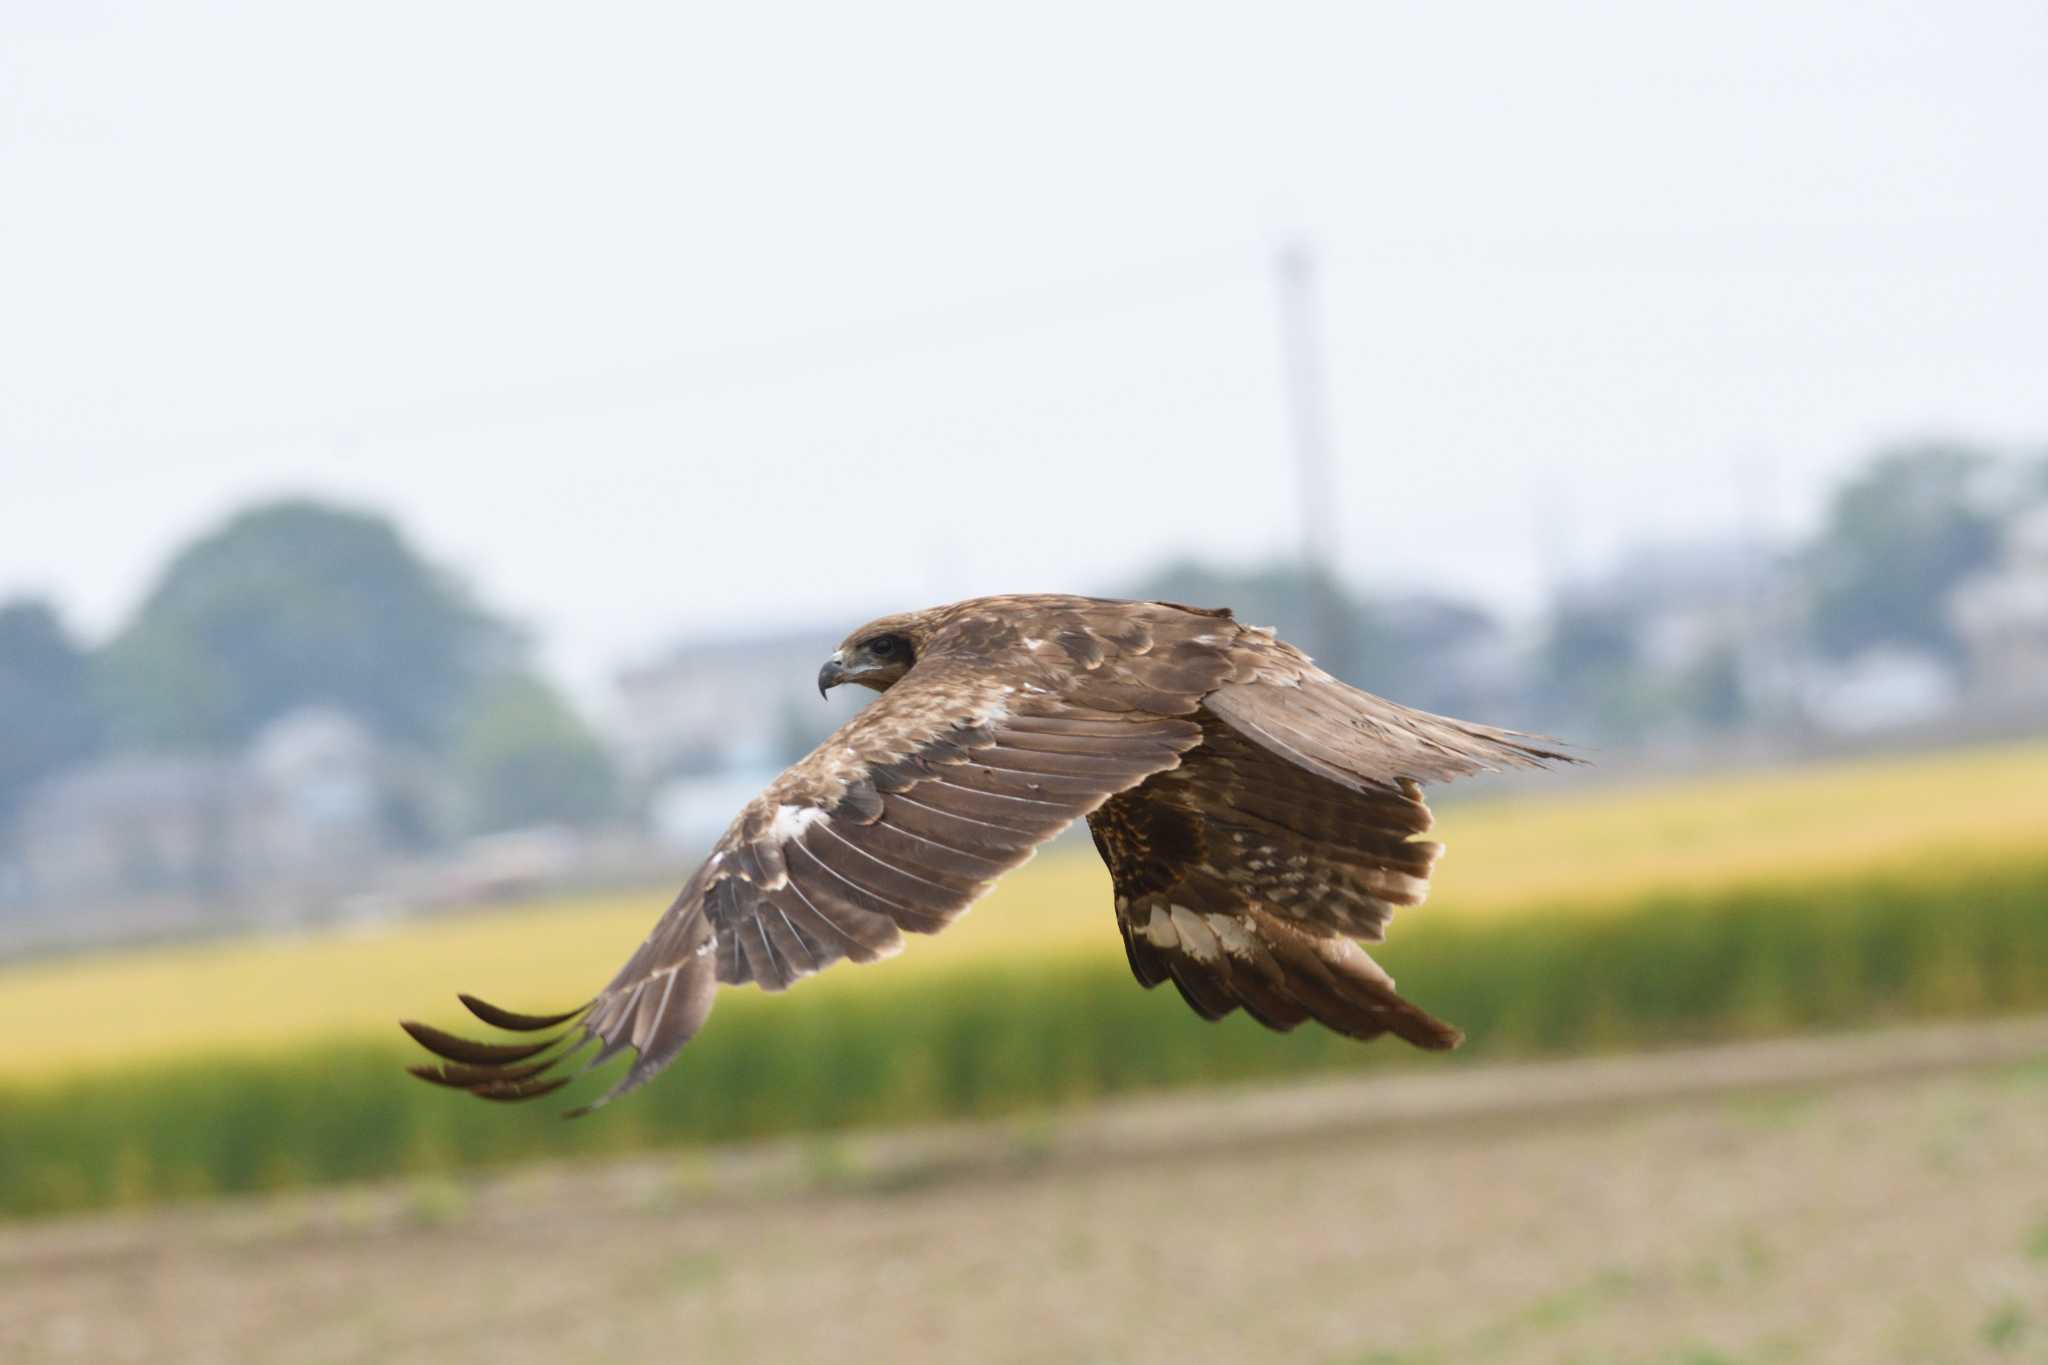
1875,1198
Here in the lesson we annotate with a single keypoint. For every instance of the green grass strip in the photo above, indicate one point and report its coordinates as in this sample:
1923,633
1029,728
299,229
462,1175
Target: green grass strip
1026,1036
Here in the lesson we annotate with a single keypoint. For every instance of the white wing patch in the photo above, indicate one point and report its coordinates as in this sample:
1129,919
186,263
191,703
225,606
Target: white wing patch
1235,938
1197,939
791,821
1205,938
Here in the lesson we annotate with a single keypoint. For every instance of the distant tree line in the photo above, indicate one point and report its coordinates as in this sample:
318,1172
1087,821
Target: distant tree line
1902,536
295,604
1899,537
298,604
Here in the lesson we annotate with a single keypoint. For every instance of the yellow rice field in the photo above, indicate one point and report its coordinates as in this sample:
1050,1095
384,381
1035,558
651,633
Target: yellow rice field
1583,849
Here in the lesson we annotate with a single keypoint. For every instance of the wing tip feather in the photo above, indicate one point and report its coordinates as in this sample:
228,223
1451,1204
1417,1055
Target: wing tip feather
514,1022
499,1071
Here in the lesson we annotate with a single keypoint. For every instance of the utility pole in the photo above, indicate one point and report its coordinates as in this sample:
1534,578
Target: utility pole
1308,421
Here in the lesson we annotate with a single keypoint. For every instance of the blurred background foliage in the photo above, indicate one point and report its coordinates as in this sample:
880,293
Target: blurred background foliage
1902,536
302,604
293,604
352,725
47,692
523,757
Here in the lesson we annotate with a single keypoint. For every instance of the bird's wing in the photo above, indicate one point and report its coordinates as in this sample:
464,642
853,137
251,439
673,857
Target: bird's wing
1281,701
1246,874
1245,880
898,821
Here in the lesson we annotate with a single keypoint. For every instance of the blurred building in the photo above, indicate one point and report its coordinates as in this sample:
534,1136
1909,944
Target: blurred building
2002,617
1686,601
139,826
712,706
705,725
324,784
1675,643
1885,687
301,818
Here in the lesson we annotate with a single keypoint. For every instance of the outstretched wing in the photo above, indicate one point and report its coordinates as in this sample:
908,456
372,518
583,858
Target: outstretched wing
1245,881
1281,701
1246,875
897,822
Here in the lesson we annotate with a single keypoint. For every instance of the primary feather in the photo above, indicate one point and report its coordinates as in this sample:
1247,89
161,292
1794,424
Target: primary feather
1257,816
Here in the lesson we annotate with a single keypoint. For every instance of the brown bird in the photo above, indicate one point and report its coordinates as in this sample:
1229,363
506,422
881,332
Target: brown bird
1257,816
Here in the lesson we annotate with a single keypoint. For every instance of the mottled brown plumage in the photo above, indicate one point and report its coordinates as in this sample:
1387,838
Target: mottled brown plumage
1257,816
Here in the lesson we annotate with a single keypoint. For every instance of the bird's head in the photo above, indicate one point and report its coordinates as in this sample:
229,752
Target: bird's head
878,653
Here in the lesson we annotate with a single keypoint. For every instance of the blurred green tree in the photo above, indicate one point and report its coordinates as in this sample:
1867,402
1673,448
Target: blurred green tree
1899,537
1710,694
524,758
1590,675
51,719
295,603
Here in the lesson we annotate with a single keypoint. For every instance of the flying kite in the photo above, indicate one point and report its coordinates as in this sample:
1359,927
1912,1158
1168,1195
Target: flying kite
1257,816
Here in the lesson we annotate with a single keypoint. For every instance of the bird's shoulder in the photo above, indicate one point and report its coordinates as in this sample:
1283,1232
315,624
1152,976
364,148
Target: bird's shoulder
1053,639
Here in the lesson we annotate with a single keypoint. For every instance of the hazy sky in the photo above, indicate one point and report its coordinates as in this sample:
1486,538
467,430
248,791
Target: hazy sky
651,319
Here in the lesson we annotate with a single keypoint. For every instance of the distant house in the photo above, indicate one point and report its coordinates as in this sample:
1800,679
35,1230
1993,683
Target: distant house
688,813
299,818
327,787
715,706
1687,601
1883,687
1732,609
139,826
703,727
2002,616
1675,641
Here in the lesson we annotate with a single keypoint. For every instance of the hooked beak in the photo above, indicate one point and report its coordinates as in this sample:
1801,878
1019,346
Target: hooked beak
831,675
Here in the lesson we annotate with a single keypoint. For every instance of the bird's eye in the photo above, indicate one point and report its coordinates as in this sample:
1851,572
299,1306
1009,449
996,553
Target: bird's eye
884,646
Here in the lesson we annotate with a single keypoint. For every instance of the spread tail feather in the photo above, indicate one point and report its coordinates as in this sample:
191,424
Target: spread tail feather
1279,971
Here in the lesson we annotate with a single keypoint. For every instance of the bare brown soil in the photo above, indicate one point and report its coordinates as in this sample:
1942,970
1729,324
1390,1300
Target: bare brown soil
1875,1198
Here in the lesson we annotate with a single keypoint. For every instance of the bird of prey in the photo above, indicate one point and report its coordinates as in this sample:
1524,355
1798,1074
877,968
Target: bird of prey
1258,817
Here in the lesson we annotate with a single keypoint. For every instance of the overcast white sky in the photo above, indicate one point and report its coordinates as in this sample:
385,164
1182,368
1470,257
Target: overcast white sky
654,319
